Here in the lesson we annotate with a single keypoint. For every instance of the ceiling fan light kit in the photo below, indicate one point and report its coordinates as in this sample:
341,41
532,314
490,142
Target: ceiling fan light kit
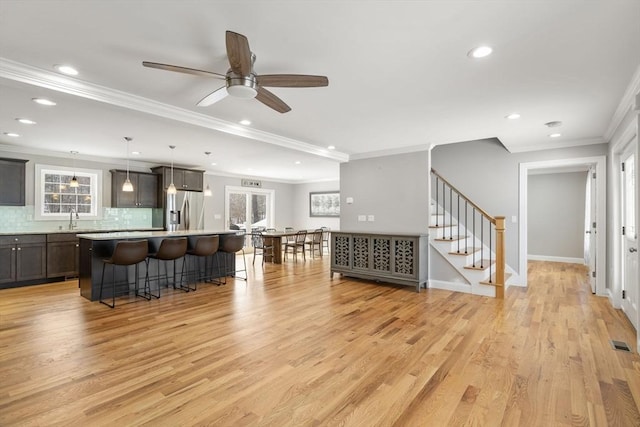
241,79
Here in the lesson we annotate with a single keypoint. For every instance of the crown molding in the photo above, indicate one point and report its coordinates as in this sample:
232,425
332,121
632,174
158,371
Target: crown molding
38,77
629,102
391,152
573,143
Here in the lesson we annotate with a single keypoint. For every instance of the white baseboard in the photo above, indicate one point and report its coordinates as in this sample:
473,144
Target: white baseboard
480,290
449,286
555,259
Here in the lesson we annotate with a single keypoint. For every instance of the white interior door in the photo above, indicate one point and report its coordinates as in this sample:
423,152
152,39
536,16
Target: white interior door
590,243
629,239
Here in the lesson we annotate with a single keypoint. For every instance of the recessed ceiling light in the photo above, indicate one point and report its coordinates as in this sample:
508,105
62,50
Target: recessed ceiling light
66,69
214,164
12,134
555,135
43,101
297,162
331,147
479,52
245,122
136,153
513,116
553,124
26,121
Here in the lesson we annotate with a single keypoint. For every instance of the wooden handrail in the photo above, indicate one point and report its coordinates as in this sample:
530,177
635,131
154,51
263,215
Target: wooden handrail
478,208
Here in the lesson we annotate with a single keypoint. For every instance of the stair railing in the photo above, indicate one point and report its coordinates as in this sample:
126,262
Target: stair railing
490,229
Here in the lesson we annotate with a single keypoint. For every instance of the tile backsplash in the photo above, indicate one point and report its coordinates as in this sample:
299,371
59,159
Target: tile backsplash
21,219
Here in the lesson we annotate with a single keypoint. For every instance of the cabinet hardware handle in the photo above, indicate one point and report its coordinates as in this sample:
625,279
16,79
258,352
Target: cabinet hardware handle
19,249
13,249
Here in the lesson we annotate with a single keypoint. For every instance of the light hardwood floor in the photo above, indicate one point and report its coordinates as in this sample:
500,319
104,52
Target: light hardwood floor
294,348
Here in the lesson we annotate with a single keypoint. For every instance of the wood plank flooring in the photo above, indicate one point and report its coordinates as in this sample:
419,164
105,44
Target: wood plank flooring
291,347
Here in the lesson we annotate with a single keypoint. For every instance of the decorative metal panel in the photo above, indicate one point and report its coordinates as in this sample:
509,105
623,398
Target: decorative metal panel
361,252
404,253
341,251
381,254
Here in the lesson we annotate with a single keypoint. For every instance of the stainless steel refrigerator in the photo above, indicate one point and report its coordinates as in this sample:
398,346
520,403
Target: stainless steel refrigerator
184,211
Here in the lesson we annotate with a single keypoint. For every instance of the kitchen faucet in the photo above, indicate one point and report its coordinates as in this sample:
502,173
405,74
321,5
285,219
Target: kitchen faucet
72,224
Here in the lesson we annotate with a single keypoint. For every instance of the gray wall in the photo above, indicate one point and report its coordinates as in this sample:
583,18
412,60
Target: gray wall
215,205
488,174
394,189
556,211
301,218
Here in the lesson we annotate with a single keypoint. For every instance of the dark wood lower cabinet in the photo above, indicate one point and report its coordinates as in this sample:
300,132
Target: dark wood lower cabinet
62,255
23,258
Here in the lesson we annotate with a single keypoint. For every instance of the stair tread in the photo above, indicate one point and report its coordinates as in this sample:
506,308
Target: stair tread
485,265
450,238
493,280
470,251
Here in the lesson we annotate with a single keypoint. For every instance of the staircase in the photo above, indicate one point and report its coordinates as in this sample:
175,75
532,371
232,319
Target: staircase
468,239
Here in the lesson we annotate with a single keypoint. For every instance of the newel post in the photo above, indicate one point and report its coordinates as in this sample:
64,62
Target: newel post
500,257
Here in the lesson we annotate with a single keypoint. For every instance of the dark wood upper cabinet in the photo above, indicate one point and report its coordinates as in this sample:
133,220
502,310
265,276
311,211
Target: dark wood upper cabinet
183,179
144,194
12,171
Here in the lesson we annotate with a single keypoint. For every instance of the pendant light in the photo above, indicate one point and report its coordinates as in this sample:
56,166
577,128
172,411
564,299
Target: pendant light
127,186
207,191
172,188
74,181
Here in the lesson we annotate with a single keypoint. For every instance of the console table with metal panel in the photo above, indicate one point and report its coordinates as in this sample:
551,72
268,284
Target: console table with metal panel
383,257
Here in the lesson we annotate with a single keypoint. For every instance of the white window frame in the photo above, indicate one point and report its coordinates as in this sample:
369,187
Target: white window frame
96,192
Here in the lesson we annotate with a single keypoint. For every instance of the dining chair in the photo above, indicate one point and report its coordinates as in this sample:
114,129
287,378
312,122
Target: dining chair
297,244
262,244
325,238
313,242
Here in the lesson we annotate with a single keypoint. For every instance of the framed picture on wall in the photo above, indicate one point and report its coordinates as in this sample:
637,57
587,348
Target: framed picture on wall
324,204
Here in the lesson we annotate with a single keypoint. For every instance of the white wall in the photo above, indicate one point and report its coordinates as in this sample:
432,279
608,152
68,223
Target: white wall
555,219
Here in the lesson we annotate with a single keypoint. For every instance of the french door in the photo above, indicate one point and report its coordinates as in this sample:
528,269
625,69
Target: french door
248,209
629,238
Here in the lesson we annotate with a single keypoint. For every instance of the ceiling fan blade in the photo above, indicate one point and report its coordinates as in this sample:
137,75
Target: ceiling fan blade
272,101
179,69
292,80
213,97
239,53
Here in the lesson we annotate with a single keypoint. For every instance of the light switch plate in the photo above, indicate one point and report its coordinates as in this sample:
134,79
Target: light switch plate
362,218
349,200
217,216
371,218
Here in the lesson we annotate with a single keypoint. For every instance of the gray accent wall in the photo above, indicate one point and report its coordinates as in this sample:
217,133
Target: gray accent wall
393,189
488,174
556,212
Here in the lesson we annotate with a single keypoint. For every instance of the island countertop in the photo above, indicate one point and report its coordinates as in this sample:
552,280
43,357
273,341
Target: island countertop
124,235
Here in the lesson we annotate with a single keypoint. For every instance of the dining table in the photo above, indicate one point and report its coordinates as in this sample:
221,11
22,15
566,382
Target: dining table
275,238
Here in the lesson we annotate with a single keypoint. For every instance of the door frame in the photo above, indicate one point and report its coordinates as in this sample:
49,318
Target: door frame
271,209
627,139
600,163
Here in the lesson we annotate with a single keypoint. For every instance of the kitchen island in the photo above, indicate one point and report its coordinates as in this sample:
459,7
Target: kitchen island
95,247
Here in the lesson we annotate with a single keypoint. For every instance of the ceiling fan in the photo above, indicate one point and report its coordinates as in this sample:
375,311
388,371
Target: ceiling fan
241,79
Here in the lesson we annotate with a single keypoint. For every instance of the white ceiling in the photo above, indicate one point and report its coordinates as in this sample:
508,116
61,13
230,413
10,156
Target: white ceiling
399,78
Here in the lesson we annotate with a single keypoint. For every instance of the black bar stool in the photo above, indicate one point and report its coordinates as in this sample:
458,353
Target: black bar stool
205,247
232,243
170,249
126,253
